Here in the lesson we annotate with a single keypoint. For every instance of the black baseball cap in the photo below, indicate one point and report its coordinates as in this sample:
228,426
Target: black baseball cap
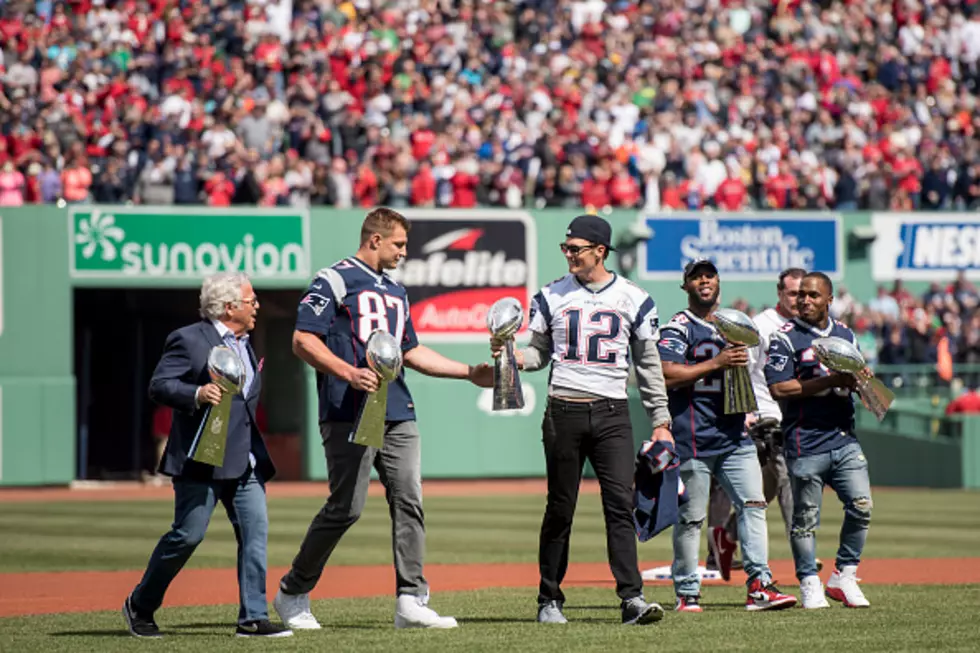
691,267
591,228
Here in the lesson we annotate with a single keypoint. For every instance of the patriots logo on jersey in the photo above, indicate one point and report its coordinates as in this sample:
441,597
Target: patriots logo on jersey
654,323
777,362
679,347
316,303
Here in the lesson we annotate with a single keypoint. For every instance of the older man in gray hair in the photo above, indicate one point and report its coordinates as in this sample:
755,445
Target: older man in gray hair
182,382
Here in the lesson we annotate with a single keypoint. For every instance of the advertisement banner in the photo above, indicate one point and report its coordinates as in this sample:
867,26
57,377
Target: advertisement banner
742,247
925,247
457,268
156,243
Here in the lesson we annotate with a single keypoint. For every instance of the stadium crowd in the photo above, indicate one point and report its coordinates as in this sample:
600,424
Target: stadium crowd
765,104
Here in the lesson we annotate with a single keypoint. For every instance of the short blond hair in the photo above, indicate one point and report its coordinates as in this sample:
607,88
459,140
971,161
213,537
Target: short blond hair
382,221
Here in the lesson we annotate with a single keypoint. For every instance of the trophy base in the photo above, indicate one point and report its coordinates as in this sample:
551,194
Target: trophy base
508,402
209,444
739,396
507,391
875,396
370,428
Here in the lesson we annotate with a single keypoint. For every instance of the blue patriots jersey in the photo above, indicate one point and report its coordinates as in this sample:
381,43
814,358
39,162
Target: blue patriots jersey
819,423
343,305
657,489
699,424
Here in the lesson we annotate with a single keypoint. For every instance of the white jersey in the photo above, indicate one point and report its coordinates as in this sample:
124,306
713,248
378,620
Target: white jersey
767,322
591,332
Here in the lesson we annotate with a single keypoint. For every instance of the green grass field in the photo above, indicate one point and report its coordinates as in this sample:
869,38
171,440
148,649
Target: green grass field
108,535
902,619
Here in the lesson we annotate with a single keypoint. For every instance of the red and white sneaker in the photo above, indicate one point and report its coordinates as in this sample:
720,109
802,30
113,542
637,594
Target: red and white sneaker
724,549
767,597
688,604
843,587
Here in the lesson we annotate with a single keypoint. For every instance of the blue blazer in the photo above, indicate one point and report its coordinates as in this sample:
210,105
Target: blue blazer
181,370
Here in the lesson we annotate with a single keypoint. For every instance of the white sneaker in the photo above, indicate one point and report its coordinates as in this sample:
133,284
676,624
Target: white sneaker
411,612
294,610
811,592
843,587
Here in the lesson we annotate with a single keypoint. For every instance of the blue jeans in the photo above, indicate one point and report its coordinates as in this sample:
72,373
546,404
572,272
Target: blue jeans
846,471
740,477
194,502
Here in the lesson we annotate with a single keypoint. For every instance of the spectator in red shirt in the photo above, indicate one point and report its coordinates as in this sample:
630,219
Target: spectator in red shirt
424,186
464,183
623,189
732,194
781,189
595,189
967,403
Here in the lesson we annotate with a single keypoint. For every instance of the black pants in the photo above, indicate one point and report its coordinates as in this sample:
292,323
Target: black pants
601,432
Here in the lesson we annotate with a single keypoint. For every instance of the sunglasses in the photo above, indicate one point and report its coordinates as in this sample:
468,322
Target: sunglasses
574,250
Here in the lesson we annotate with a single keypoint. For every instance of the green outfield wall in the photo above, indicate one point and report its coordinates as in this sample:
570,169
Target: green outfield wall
48,255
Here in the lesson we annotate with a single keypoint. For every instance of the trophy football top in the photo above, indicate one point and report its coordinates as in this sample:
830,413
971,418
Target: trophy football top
505,317
384,356
736,326
838,354
225,364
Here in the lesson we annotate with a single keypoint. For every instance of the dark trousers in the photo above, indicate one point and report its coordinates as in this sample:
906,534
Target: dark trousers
599,431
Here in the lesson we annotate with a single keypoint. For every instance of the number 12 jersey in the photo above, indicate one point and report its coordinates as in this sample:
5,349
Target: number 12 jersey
343,305
591,332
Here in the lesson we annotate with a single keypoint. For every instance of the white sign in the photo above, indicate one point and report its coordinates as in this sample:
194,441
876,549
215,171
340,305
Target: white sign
930,247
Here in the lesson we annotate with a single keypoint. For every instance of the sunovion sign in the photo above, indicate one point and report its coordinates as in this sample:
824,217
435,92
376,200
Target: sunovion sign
742,247
127,242
931,247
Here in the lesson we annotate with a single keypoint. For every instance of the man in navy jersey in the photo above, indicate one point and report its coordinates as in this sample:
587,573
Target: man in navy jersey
820,445
712,443
340,309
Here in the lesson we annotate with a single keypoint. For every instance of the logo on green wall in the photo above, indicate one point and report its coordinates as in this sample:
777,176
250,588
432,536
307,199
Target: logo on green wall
133,242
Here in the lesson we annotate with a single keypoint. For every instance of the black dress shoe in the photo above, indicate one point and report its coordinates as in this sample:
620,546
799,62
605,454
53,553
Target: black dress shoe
139,625
262,628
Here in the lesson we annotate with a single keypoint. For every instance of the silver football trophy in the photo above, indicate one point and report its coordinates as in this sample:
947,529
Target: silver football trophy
384,356
738,329
228,372
504,319
843,356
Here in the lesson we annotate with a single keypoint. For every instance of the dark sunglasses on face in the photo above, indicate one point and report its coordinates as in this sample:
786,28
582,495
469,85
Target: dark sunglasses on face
574,250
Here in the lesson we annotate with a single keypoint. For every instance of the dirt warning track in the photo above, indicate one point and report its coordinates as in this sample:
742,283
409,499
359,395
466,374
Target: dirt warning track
88,591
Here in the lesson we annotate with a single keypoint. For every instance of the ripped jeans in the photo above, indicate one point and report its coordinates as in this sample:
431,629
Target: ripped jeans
846,471
740,476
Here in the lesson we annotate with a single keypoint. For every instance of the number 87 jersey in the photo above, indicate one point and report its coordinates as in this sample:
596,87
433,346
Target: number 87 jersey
343,305
698,421
592,332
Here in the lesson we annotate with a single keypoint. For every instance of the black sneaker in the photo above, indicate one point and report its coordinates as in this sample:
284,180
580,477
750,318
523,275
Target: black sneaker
139,625
262,628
